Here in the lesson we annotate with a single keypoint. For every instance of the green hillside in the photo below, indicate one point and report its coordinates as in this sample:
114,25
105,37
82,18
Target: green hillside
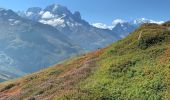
135,68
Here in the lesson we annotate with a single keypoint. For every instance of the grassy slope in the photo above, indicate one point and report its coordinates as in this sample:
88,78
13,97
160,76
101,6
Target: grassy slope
137,67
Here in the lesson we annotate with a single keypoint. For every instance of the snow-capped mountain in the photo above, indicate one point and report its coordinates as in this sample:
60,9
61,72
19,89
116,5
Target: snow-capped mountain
122,28
140,21
110,27
72,25
102,26
27,46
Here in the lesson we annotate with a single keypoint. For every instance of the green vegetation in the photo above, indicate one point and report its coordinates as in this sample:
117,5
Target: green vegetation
167,24
135,68
131,69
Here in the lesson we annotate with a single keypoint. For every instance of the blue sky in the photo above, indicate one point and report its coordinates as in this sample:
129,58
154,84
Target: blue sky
103,11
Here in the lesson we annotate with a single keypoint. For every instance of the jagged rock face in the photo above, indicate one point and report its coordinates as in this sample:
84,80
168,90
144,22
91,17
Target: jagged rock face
27,46
33,13
123,29
73,26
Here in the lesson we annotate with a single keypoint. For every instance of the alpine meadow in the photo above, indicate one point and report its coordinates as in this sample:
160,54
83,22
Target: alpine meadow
51,51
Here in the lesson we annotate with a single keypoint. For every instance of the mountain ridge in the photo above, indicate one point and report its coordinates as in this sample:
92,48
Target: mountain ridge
21,37
123,28
72,25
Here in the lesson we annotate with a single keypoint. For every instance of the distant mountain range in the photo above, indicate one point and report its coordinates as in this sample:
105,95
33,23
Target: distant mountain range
122,28
89,37
71,25
38,38
27,46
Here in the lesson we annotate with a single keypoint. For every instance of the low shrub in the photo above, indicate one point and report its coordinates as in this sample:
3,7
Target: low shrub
8,87
121,68
56,72
166,24
148,41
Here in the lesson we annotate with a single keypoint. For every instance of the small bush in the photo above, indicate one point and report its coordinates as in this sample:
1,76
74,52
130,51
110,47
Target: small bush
148,41
154,53
167,24
8,87
121,68
32,78
157,86
39,92
131,73
56,72
111,51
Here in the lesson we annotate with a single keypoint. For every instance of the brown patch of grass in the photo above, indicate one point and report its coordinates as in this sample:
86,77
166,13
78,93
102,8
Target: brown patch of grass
58,80
165,58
